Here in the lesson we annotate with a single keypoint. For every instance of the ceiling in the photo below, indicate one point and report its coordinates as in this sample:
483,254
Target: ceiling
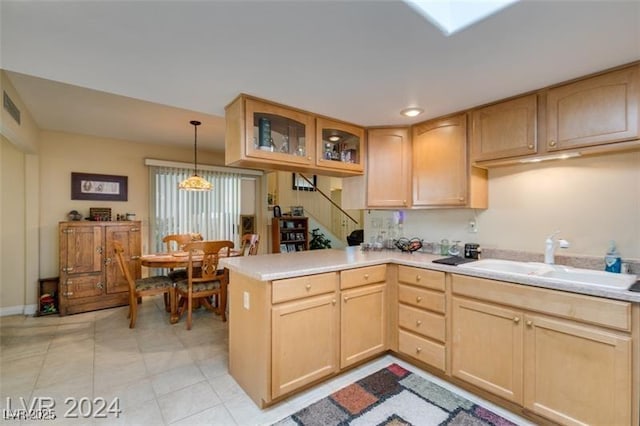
140,70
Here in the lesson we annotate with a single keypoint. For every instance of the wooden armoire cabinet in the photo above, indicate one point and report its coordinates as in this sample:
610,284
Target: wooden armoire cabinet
90,278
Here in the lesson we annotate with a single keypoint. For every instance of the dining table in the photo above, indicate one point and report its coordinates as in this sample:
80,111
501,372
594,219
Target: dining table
177,259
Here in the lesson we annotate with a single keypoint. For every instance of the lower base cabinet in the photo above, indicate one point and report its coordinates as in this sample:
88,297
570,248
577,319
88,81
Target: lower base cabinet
568,371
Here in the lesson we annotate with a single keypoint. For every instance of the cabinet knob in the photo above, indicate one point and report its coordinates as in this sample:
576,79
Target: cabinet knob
529,323
530,146
418,323
308,287
309,158
333,302
346,299
460,198
418,277
418,349
552,143
366,276
516,320
418,299
404,202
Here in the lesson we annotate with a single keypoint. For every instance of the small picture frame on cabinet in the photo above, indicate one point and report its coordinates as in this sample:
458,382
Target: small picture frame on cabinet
276,211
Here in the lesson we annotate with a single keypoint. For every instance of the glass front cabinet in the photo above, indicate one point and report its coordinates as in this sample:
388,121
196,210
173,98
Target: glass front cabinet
265,135
339,145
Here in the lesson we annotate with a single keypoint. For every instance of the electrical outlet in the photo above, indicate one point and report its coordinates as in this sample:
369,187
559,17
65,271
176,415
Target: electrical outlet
245,300
473,226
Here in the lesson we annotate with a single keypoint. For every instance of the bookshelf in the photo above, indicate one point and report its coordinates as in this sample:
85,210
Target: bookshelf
289,234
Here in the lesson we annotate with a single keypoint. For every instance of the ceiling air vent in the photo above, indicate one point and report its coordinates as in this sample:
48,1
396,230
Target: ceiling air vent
11,108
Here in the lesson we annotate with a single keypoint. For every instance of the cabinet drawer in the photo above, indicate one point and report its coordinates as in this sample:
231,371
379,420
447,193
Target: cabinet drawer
595,310
429,352
421,298
299,287
362,276
421,277
422,322
82,285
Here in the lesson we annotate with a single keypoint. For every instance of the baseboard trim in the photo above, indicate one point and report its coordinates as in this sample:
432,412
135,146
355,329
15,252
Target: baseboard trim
18,310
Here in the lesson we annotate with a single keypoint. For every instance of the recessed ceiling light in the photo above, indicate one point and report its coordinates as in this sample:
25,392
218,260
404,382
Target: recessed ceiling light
412,112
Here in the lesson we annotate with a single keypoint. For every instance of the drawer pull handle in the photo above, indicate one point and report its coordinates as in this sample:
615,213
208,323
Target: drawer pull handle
418,349
418,299
418,323
308,287
366,276
529,323
333,302
418,278
346,299
552,143
516,320
530,146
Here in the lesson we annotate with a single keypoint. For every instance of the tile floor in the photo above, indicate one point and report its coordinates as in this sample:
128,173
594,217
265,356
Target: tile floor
161,373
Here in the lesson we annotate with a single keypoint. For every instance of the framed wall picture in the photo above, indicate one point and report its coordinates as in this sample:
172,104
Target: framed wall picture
301,184
247,224
90,186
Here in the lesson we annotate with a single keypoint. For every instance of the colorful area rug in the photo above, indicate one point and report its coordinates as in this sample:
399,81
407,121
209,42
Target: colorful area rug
394,396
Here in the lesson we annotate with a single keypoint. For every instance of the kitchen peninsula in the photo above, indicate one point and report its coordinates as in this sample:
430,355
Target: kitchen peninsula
558,352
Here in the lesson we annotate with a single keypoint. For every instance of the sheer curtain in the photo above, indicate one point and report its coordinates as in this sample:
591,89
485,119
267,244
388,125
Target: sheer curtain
214,214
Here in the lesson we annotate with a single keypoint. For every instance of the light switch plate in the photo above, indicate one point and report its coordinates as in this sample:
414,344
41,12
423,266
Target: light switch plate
245,300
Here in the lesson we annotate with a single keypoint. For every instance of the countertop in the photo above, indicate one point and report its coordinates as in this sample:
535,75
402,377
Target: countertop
288,265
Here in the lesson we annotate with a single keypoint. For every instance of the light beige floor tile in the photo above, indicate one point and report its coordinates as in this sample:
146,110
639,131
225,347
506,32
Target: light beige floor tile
215,416
213,366
187,401
146,413
161,361
226,387
130,395
113,375
175,379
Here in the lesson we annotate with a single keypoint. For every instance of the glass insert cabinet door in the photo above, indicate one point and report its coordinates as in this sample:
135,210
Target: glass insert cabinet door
340,145
279,134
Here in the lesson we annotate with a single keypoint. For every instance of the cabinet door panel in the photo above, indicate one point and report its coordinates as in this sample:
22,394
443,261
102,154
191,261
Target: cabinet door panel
576,374
339,145
506,129
363,323
81,249
487,347
389,168
440,162
598,110
304,342
129,237
78,286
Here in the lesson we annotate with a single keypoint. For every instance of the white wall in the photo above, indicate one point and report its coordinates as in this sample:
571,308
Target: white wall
591,200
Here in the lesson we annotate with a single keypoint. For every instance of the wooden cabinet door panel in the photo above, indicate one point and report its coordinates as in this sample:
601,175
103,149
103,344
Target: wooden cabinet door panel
506,129
363,323
598,110
129,237
389,168
487,347
575,374
78,286
81,249
304,344
339,145
440,162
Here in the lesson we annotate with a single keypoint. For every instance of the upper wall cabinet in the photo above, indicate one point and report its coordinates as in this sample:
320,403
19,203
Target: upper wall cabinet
597,110
389,167
441,173
268,136
340,146
505,129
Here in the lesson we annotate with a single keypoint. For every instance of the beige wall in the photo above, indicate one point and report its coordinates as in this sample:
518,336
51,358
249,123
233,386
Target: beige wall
590,200
24,135
63,153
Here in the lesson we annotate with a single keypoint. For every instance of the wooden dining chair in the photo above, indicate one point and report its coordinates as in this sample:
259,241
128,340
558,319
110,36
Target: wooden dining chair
149,286
174,243
204,279
249,244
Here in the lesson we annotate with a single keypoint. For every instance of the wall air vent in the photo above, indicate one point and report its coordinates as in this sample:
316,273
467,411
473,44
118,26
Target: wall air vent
11,108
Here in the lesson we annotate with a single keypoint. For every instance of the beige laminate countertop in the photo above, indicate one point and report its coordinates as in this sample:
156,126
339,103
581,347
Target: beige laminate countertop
288,265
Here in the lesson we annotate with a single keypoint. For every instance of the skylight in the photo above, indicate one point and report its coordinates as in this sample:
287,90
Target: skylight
453,15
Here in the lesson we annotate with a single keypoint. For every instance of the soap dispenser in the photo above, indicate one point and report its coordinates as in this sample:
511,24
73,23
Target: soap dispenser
612,260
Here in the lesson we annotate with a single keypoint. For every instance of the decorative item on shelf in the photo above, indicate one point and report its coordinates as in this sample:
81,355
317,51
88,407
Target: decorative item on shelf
408,245
74,215
195,182
276,211
131,216
264,134
297,211
100,214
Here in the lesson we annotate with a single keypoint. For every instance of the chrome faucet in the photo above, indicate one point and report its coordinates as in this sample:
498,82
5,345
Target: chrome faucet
550,247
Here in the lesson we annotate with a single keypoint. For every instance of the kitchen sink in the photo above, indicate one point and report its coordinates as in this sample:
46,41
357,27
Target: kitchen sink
555,273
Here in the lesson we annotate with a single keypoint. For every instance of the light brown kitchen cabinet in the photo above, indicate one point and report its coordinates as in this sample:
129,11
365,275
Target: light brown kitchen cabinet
599,110
89,277
442,176
304,342
363,314
421,315
505,129
340,146
389,167
563,356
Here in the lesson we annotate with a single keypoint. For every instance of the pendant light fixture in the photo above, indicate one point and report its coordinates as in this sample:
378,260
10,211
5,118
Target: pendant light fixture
195,182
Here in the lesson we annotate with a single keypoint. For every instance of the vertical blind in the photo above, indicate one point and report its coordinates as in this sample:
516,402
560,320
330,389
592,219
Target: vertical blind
214,214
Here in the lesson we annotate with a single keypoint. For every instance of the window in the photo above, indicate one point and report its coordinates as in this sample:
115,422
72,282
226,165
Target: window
214,214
